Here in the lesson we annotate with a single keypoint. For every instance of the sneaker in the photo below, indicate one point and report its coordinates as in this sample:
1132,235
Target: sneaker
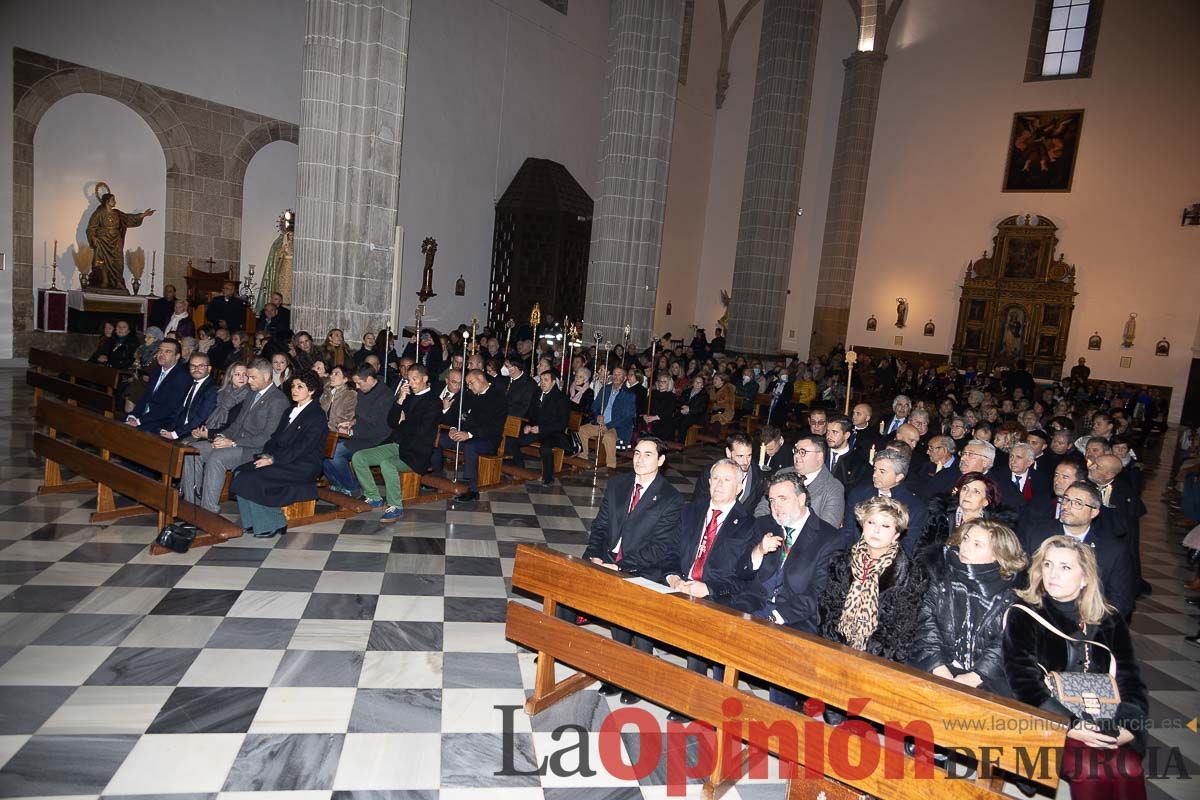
375,503
392,514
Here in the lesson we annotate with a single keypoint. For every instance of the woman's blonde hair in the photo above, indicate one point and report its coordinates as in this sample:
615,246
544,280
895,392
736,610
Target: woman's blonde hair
897,510
1091,604
1005,545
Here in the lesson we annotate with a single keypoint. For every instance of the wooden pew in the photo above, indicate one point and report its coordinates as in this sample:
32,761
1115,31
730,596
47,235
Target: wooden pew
305,512
808,665
78,383
94,441
515,474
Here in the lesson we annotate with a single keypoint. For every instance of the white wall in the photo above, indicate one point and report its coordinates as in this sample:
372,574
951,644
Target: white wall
269,190
934,192
490,83
243,54
83,139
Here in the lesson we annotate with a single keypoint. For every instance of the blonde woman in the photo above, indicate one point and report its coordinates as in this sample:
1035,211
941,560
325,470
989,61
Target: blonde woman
1088,634
962,618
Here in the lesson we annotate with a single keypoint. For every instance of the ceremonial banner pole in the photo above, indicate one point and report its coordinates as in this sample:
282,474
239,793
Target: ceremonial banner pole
568,352
653,370
535,318
462,387
851,357
508,328
625,346
393,309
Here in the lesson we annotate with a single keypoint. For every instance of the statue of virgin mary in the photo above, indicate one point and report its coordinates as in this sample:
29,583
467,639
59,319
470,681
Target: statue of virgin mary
277,274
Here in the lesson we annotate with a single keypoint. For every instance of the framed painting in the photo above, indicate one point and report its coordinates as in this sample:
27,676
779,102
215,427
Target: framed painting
1052,316
1042,147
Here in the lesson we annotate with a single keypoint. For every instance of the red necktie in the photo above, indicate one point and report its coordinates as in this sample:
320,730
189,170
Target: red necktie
637,495
1027,489
710,533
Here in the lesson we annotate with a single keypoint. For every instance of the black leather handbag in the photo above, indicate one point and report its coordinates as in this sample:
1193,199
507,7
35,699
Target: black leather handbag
177,536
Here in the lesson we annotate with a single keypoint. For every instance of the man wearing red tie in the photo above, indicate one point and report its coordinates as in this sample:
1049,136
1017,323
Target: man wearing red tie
1020,490
634,531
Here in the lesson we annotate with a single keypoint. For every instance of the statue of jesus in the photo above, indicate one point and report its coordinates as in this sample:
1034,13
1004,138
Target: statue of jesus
106,234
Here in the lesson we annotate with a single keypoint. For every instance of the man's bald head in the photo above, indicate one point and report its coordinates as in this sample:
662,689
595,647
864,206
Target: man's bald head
909,435
1104,469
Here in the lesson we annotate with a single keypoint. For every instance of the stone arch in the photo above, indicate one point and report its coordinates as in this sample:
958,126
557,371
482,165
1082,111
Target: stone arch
206,145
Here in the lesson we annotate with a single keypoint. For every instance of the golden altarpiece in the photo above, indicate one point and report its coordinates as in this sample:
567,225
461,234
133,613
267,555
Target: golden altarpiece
1017,301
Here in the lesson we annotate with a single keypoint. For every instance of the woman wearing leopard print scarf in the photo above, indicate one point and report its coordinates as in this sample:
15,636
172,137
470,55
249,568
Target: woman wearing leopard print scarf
874,590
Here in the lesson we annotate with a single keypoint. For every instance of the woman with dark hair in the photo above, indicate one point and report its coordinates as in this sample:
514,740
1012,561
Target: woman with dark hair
1062,623
339,399
874,590
302,352
368,347
123,352
242,352
104,346
229,403
286,471
723,402
975,496
961,621
282,372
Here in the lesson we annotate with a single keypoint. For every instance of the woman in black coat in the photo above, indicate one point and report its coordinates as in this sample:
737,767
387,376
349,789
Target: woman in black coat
962,618
974,496
693,407
663,413
874,591
1066,593
286,471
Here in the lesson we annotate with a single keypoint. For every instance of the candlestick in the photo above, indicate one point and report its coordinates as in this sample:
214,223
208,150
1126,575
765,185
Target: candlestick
54,268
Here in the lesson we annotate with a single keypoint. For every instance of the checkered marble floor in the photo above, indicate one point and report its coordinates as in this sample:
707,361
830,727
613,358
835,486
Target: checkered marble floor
347,659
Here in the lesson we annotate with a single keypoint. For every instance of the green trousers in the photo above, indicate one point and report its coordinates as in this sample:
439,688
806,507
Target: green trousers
387,458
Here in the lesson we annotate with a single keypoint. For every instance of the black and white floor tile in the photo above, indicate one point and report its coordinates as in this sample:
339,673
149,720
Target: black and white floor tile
348,659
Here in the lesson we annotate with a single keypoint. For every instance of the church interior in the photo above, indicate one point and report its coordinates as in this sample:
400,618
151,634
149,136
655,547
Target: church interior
343,341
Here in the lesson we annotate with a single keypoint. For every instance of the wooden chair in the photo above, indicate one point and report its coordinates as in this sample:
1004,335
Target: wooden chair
941,711
491,466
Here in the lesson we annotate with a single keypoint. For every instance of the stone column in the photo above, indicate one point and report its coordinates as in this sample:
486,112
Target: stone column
770,192
351,122
635,154
847,196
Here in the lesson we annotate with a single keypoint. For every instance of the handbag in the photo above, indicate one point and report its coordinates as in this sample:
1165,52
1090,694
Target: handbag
177,536
1091,696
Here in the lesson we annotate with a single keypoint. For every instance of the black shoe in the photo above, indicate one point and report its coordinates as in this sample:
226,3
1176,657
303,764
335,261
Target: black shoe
549,482
1193,601
247,531
629,698
675,716
467,497
1193,639
608,690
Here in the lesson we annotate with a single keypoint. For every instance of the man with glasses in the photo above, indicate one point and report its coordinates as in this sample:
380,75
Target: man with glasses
888,479
1081,505
977,456
940,455
199,401
827,497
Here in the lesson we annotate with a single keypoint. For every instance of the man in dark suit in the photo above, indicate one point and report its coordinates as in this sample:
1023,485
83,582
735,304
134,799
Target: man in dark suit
1118,494
282,313
226,308
546,425
1019,378
484,411
863,436
845,463
772,453
977,456
1081,506
779,409
1045,512
413,420
888,475
901,405
168,385
941,454
162,308
788,564
1015,479
198,403
1044,461
270,323
204,473
520,389
634,531
751,481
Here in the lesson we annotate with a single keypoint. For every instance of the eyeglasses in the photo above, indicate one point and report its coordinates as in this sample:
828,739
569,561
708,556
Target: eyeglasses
199,366
936,447
800,451
1075,502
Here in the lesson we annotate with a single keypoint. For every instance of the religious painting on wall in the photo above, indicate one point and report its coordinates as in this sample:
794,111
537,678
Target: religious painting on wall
1041,151
1012,334
1094,341
1021,258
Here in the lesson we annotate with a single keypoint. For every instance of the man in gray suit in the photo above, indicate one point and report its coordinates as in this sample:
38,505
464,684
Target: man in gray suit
204,474
826,495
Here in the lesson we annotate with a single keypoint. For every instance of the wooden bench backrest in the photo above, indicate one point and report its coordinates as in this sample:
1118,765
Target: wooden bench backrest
796,661
111,438
80,394
53,363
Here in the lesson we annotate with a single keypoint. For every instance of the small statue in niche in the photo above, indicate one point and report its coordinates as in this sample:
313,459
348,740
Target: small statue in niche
872,323
901,312
1094,341
1163,348
930,328
1129,331
106,236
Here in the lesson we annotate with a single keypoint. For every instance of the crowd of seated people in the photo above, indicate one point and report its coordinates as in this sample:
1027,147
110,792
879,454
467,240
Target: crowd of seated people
918,520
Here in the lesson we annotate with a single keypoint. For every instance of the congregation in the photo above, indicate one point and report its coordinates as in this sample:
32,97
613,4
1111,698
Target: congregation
907,534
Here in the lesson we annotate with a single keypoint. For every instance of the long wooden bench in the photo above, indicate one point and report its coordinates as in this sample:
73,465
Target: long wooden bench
97,447
954,716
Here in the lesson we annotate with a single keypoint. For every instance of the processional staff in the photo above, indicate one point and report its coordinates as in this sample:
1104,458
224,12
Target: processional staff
653,366
535,319
462,386
508,328
851,357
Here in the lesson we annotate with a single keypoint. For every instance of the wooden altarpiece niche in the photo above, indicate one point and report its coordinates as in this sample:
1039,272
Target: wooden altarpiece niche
1017,301
540,245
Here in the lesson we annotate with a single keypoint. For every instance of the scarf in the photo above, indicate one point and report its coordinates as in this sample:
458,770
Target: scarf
974,589
577,391
860,613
